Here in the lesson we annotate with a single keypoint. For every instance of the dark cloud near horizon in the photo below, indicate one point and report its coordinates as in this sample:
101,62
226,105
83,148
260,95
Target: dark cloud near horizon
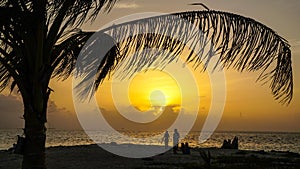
11,114
61,118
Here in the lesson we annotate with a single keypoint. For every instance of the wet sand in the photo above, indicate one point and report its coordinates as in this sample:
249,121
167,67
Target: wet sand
94,157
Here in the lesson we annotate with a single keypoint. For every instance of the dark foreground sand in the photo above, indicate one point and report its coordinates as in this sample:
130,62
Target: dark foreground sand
93,157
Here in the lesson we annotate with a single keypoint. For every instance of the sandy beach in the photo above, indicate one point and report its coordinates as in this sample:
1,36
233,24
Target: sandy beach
94,157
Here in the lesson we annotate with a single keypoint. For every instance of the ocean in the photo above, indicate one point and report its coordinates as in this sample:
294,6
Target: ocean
268,141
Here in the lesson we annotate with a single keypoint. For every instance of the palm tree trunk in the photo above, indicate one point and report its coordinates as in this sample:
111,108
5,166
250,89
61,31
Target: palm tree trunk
35,138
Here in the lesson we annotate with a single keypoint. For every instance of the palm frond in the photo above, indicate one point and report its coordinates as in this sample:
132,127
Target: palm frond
239,42
5,77
85,66
19,28
72,13
63,14
9,65
65,53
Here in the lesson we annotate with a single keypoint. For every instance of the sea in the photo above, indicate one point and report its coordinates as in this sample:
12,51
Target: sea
267,141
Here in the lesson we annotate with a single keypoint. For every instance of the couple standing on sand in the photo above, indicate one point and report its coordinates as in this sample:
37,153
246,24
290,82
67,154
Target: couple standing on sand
176,137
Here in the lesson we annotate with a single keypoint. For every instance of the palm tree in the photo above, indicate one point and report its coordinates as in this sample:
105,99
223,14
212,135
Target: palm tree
40,40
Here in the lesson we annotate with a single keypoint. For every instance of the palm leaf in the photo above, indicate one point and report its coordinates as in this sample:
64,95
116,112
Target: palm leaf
63,14
20,43
5,77
239,42
85,66
65,53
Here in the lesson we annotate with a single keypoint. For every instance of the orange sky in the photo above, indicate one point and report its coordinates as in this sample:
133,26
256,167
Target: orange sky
249,106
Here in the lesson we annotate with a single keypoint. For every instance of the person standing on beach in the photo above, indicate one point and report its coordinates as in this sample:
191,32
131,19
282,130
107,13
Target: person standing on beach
176,137
166,139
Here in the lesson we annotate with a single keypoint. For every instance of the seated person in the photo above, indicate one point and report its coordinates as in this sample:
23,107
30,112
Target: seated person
185,148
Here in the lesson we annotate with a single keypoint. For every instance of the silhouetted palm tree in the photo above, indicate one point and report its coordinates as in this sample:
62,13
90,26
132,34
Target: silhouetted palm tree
37,39
40,39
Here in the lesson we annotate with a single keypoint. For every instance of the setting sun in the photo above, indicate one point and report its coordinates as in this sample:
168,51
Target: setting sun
153,88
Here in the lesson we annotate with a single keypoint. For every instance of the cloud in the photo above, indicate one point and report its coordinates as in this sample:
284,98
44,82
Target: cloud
11,114
126,5
61,118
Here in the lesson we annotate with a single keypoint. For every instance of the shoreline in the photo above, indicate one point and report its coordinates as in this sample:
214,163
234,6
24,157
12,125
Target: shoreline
155,145
92,157
248,141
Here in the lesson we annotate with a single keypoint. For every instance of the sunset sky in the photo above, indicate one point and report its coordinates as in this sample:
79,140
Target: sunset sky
249,106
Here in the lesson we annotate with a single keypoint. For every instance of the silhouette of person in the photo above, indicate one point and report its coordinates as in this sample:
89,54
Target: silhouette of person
166,139
176,137
235,143
182,147
225,144
229,141
187,148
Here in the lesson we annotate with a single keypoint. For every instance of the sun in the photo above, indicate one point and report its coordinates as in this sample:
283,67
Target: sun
157,98
153,88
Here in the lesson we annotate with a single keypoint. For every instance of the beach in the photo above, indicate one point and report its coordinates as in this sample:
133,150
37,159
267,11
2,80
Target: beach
94,157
